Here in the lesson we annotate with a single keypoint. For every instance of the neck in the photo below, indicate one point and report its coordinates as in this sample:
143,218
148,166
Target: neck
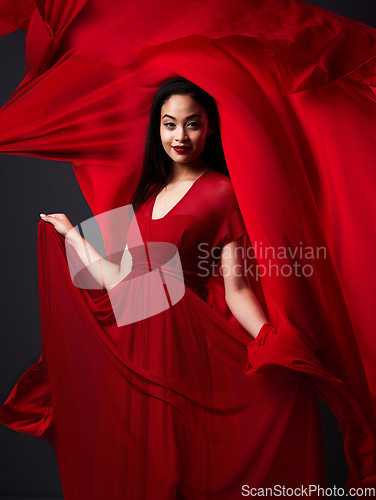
184,170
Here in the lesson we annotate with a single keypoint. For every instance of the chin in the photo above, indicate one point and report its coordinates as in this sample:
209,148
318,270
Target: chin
182,159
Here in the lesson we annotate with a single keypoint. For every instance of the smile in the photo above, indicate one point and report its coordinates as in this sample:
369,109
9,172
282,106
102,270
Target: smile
181,149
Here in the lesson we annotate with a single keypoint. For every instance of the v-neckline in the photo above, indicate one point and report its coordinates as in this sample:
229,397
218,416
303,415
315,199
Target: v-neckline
177,203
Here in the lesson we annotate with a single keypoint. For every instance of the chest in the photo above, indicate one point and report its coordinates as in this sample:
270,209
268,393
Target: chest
168,198
188,226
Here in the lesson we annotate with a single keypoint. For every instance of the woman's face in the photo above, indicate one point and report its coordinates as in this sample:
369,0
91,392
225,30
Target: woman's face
184,127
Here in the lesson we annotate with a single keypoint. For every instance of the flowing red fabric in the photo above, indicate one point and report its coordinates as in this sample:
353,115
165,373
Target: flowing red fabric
295,89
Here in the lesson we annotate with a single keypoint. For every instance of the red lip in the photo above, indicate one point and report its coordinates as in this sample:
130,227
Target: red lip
181,149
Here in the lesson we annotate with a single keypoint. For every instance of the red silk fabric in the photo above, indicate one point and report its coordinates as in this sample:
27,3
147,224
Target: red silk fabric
294,86
163,407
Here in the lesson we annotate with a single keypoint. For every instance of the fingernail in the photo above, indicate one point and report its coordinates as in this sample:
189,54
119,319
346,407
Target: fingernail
42,215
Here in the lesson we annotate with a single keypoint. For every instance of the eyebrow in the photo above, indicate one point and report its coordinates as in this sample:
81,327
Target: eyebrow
187,118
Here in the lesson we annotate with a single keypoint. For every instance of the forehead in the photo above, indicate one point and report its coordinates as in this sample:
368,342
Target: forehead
181,105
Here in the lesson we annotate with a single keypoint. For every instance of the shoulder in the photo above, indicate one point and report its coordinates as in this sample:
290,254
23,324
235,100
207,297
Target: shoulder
220,181
221,188
218,176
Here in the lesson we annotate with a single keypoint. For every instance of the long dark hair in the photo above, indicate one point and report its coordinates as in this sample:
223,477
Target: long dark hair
156,163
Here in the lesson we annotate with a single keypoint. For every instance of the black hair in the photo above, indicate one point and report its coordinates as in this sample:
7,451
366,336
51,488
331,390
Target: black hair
156,162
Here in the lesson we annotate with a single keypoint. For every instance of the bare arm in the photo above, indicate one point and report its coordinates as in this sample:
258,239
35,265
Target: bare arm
106,273
239,296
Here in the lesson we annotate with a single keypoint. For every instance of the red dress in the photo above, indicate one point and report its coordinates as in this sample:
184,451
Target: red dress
162,408
288,95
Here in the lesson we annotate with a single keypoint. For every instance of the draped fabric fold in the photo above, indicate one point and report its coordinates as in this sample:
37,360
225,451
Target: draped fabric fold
295,89
282,346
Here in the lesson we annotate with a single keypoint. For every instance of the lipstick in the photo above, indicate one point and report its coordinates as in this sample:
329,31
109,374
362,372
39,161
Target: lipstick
181,149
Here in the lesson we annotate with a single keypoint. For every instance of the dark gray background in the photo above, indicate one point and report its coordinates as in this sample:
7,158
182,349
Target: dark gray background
29,186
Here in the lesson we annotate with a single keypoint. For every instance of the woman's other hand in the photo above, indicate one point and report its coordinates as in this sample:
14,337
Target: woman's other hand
60,222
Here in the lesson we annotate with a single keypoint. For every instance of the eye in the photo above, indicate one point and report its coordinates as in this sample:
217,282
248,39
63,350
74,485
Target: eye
169,124
193,124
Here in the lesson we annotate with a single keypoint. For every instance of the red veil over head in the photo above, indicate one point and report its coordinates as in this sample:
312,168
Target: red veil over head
294,86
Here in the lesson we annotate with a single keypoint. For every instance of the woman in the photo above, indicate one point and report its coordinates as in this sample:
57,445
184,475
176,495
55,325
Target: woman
160,405
185,116
295,105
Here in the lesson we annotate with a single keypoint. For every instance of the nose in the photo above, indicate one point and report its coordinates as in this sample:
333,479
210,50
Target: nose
180,135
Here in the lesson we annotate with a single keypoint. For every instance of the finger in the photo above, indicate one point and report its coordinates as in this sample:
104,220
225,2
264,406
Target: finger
47,218
49,215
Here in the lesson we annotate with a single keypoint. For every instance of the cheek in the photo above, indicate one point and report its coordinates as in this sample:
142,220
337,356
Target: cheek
164,135
201,139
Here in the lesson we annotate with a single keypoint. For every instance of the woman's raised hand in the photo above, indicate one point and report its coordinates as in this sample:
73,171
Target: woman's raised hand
106,273
60,221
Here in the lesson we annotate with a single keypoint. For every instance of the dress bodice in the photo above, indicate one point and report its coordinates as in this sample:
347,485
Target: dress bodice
205,219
